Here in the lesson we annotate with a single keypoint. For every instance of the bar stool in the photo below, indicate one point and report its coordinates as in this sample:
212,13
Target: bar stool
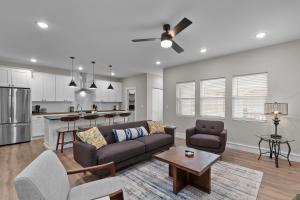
69,129
91,118
110,116
125,115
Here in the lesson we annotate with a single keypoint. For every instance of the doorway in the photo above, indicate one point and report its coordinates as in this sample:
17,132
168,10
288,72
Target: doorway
157,104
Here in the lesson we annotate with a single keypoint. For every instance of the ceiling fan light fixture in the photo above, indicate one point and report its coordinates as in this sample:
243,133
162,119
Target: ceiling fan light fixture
166,40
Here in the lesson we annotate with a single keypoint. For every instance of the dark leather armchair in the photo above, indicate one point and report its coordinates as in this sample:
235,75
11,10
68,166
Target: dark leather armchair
208,136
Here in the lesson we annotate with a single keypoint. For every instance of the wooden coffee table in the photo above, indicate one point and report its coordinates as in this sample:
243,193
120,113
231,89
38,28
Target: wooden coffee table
185,171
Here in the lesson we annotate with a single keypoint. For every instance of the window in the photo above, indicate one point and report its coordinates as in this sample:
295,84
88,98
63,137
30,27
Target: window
212,98
249,94
185,98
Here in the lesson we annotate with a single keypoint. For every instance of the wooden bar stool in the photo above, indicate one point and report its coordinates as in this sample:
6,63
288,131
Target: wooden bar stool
91,118
69,129
110,116
125,115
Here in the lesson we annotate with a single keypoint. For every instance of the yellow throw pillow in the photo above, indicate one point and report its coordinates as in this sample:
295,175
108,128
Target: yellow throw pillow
156,127
92,136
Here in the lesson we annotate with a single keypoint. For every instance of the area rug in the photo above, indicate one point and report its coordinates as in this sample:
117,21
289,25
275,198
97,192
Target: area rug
150,180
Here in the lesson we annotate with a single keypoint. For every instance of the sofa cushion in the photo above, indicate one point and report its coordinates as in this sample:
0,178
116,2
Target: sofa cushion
119,152
209,127
156,141
156,127
205,140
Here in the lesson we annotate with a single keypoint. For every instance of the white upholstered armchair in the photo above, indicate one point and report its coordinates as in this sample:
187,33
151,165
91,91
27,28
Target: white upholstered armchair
46,179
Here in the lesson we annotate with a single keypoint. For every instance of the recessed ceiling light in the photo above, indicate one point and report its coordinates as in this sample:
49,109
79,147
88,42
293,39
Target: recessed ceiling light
113,73
33,60
261,35
42,25
80,68
157,62
203,50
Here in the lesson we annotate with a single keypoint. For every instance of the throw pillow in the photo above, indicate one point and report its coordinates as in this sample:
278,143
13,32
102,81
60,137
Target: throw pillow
156,127
92,136
129,133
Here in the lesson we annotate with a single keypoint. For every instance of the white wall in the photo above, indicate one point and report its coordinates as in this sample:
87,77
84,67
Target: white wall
140,83
282,62
153,82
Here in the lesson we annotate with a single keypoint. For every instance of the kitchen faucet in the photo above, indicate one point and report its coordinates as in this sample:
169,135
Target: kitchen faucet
78,105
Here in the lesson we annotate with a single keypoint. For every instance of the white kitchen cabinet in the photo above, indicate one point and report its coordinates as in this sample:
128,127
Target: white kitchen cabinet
105,95
37,126
62,91
43,87
15,77
4,77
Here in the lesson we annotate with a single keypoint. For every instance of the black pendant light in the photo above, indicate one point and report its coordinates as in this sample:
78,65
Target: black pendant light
110,87
72,83
93,86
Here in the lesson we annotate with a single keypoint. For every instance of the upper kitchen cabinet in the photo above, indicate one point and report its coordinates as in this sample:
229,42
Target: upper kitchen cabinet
62,91
15,77
43,87
105,95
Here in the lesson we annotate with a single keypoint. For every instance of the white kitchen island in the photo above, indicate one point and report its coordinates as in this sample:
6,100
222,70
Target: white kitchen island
52,123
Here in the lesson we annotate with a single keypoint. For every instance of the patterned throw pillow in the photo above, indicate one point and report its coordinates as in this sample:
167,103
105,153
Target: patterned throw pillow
92,136
129,133
156,127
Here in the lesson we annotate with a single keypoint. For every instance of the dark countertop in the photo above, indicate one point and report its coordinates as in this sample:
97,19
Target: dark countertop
60,115
69,113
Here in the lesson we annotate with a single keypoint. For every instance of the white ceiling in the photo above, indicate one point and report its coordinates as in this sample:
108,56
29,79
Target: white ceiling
102,30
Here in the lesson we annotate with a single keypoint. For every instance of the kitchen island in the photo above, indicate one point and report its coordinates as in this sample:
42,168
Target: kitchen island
52,123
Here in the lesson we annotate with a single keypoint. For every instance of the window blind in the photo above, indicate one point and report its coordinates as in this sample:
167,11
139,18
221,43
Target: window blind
249,93
212,98
185,98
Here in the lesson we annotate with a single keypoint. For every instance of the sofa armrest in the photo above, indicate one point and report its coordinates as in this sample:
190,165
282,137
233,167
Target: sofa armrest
110,166
170,130
223,137
84,154
189,132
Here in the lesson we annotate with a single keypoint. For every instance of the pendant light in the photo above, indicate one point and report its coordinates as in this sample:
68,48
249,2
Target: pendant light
93,86
72,83
110,87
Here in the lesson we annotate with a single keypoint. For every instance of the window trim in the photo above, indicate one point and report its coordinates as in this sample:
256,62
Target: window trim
207,116
232,98
176,98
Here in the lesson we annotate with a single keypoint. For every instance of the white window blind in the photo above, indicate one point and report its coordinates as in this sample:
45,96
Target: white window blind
212,98
249,94
185,98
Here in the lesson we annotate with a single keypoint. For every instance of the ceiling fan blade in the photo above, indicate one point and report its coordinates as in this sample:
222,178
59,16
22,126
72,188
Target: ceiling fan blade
176,47
183,24
144,40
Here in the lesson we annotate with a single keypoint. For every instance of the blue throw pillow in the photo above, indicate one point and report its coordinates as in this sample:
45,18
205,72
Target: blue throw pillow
129,133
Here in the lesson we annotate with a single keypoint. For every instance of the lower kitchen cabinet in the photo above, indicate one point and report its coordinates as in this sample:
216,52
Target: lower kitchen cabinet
37,126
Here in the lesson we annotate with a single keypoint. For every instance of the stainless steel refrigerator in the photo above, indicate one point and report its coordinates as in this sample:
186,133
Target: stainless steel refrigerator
15,115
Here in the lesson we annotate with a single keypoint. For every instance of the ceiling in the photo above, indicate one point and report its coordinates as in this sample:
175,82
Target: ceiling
102,30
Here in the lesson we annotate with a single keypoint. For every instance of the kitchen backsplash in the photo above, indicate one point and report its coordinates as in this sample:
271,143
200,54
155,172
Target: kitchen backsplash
86,102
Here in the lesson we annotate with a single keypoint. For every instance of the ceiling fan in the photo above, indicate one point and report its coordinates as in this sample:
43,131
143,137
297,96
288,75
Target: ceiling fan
169,34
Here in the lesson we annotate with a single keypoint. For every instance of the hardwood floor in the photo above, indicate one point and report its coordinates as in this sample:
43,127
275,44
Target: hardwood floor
278,183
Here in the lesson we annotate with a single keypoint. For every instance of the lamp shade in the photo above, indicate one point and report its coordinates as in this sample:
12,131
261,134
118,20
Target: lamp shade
72,83
276,108
93,86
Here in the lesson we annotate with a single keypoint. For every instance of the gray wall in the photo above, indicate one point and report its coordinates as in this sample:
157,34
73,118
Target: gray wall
140,83
282,62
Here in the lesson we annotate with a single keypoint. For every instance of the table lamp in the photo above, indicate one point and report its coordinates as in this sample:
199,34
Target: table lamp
276,109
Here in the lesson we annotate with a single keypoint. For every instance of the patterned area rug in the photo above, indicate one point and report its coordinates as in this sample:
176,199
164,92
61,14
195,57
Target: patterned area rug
150,180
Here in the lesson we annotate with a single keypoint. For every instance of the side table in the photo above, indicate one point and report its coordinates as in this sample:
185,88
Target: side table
274,146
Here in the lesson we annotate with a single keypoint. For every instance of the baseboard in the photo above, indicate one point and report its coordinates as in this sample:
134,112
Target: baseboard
254,149
247,148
